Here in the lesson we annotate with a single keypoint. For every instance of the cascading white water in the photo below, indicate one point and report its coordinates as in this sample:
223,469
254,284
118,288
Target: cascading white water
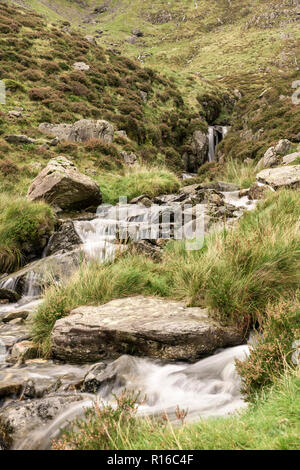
211,144
100,236
214,138
210,387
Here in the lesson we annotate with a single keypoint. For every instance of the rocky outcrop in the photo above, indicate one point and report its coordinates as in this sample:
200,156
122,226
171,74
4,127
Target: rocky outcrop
292,157
140,326
81,66
129,158
80,131
282,177
273,155
19,139
270,159
197,155
63,186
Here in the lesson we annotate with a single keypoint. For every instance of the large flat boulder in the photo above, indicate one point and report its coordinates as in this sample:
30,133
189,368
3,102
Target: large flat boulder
281,177
141,326
80,131
63,186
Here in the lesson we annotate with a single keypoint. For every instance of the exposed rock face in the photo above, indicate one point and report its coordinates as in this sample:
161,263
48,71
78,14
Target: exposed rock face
18,419
273,155
81,66
287,176
270,159
288,159
65,239
129,158
81,131
199,151
283,147
63,186
141,326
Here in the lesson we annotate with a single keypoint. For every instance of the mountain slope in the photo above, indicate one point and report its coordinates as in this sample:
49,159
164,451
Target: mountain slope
208,37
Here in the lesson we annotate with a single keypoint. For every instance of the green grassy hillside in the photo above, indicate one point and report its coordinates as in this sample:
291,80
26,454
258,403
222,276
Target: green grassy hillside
207,48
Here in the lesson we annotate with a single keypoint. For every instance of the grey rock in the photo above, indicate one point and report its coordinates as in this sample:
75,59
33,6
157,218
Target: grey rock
17,420
143,95
270,159
66,239
141,326
19,139
58,266
129,158
282,177
199,150
81,131
288,159
283,147
81,66
15,314
63,186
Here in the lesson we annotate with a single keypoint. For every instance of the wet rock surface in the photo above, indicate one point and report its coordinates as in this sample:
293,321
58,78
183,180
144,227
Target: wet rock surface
17,419
64,239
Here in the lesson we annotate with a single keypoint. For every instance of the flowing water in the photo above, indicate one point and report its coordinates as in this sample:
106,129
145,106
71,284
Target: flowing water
210,387
214,138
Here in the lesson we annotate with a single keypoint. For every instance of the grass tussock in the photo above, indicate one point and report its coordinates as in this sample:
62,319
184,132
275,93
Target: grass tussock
137,180
271,423
23,226
275,347
237,273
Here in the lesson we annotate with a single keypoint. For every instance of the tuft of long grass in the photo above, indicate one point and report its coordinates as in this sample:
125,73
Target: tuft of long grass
21,223
137,180
237,172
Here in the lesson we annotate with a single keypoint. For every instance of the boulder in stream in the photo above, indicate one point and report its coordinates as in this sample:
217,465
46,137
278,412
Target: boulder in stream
141,326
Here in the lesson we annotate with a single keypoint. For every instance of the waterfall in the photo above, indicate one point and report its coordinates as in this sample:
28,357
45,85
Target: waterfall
215,135
103,236
211,144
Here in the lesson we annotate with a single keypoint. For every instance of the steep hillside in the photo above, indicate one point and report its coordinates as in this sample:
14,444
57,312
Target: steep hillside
37,67
208,37
208,48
